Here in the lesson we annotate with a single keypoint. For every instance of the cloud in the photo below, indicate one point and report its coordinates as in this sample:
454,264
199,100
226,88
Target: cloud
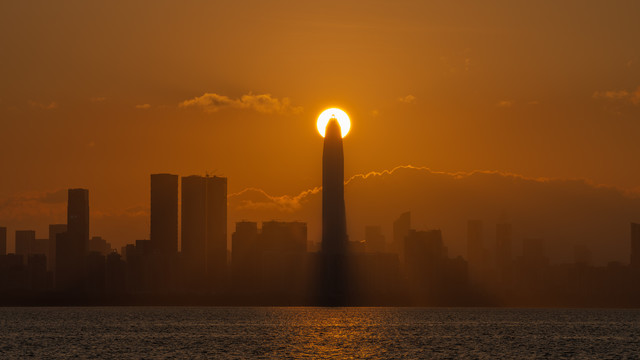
258,199
375,113
635,96
30,205
632,97
409,99
611,94
262,103
457,63
134,211
537,207
47,197
600,215
143,106
53,197
50,106
504,103
98,99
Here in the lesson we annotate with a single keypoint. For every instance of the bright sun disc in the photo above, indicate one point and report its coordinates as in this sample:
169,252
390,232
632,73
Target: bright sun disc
341,116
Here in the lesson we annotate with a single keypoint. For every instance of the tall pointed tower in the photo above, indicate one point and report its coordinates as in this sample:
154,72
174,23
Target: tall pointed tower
334,222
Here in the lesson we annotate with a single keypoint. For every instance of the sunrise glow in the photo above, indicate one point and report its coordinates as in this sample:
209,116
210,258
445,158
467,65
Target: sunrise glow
341,116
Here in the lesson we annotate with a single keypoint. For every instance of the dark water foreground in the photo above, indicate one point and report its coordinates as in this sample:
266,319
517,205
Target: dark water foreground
213,332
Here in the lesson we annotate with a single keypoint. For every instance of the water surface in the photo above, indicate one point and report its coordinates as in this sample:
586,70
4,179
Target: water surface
213,332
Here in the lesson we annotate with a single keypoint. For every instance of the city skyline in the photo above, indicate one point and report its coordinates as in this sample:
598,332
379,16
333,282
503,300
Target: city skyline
609,243
319,179
276,264
428,85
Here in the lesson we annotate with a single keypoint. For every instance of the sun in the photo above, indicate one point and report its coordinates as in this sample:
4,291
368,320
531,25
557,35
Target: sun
341,116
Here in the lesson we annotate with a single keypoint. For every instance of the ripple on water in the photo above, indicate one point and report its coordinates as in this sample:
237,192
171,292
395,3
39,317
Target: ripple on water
207,332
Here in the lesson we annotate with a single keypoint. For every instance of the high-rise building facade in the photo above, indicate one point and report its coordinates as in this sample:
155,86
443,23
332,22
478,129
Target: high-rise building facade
282,236
333,283
334,221
424,248
401,227
164,213
635,245
476,251
503,254
534,253
54,230
374,239
216,226
244,243
78,219
246,252
25,240
204,225
3,241
72,246
194,224
503,245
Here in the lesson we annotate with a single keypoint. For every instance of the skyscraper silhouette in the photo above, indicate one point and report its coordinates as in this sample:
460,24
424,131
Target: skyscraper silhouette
204,227
24,242
334,221
374,239
635,245
72,246
54,230
3,241
216,228
401,227
164,213
503,245
78,219
194,226
503,257
476,251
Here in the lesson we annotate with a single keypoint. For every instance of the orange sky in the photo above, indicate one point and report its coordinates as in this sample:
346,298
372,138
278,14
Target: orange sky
101,94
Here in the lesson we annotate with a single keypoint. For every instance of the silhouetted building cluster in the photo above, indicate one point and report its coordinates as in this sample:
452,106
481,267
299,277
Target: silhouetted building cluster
274,262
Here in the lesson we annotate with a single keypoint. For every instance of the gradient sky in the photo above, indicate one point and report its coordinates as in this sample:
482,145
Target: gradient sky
100,94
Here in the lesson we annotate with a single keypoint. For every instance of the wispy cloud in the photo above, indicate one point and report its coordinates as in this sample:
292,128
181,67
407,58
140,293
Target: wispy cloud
284,203
632,97
143,106
131,212
258,199
262,103
98,99
33,204
50,106
505,103
611,94
409,99
457,63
